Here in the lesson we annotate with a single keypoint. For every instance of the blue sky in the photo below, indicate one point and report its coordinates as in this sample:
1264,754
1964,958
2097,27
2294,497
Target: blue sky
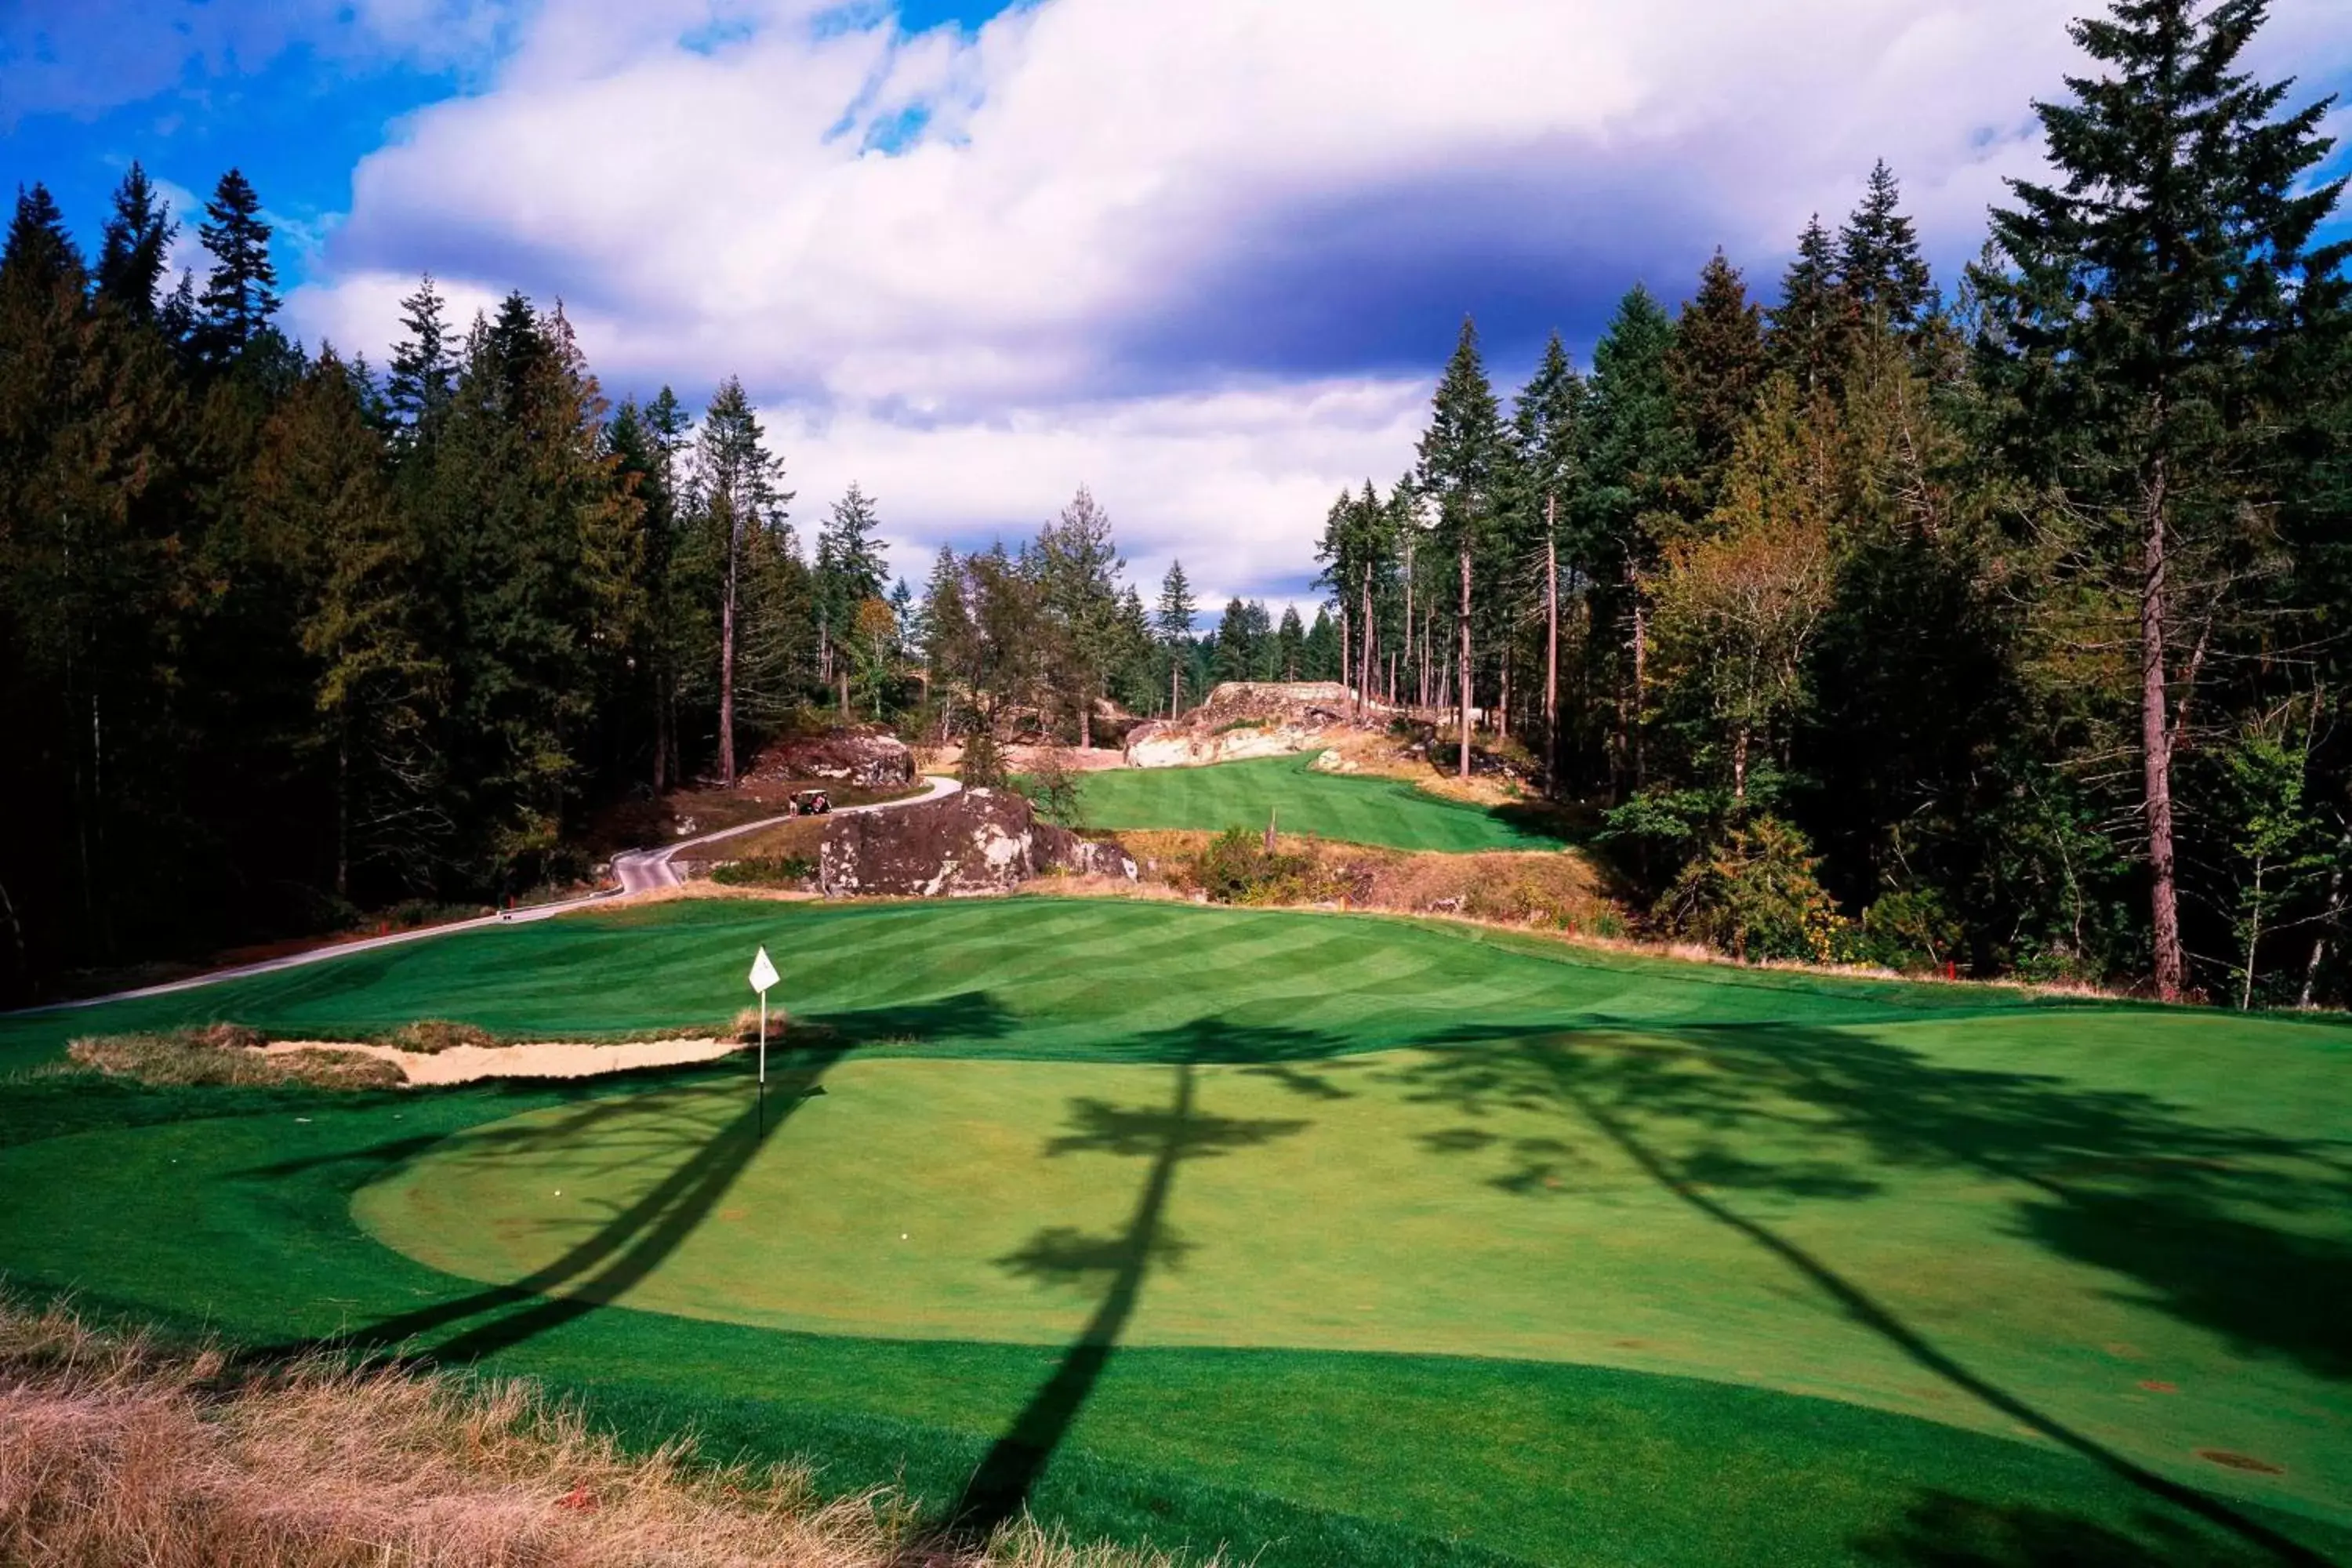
1204,258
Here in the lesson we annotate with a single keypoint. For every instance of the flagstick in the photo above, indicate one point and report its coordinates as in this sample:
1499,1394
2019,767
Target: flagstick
764,1064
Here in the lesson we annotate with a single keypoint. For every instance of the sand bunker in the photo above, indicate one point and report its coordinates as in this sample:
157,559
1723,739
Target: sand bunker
552,1059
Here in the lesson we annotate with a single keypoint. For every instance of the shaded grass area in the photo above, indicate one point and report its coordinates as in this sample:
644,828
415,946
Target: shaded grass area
1040,978
1780,1117
1355,810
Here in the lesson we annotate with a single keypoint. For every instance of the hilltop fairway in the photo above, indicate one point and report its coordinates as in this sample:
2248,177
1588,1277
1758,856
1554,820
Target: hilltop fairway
1344,1239
1388,813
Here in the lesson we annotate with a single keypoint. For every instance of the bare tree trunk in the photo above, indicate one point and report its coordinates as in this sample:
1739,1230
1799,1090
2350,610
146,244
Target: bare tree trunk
661,731
1551,648
727,671
1346,652
1367,666
2254,943
1409,660
1175,674
343,811
1641,685
2155,746
1085,721
1739,765
16,937
2334,913
1464,770
1503,702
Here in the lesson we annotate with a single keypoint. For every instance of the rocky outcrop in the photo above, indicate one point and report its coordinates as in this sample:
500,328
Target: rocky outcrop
1242,719
865,758
970,843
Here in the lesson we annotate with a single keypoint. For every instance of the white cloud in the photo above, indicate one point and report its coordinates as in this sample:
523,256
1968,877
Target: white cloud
961,321
1246,473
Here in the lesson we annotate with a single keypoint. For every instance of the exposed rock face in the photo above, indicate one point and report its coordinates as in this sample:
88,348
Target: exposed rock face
868,759
974,842
1242,719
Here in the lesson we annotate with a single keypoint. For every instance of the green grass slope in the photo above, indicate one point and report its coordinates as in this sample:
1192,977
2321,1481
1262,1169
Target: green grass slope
1341,1239
1386,812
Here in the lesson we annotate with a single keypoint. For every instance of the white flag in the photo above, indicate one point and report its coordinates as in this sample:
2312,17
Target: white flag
763,972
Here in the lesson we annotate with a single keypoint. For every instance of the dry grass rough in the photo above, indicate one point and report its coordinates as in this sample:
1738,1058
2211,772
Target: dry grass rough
228,1054
114,1453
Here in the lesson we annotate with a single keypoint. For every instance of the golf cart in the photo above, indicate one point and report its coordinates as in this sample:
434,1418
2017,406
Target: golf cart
811,803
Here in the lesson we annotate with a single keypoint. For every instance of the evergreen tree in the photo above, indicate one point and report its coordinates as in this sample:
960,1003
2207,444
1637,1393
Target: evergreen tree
1173,622
131,257
1879,262
241,294
1717,363
1545,432
317,484
1810,323
1290,644
1462,470
1637,456
2138,334
1078,567
1234,656
738,497
1320,660
850,570
423,363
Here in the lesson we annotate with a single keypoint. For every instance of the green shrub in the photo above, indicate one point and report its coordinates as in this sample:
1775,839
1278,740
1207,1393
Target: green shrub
1236,867
766,871
1228,728
1052,789
431,1036
1752,894
1911,930
983,764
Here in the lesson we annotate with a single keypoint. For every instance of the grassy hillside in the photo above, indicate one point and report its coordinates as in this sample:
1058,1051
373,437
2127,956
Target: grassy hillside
1356,810
1342,1239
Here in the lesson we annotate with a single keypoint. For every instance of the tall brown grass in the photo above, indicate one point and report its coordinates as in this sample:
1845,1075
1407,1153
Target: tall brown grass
224,1054
116,1452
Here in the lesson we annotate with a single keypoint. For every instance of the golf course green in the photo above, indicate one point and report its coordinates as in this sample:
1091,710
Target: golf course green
1389,812
1333,1239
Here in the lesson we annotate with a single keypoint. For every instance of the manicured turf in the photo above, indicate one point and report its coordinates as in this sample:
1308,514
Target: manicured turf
1346,1240
1354,810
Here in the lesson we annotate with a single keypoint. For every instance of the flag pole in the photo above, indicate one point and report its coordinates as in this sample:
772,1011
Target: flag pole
764,1064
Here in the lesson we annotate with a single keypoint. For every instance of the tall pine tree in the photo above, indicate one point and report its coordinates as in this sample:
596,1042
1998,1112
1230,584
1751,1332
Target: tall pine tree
1462,470
2138,331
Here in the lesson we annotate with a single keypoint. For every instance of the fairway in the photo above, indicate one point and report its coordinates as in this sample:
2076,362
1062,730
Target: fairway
1342,1239
1389,812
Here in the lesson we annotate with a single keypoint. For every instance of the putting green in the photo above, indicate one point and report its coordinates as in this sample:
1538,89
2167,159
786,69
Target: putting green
1500,1201
1340,1239
1353,810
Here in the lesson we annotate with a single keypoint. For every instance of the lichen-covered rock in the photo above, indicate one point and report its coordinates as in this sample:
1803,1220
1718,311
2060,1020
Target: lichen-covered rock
866,758
1245,719
1058,849
971,843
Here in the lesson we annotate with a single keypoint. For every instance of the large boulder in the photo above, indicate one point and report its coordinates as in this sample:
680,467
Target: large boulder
1243,719
969,844
864,758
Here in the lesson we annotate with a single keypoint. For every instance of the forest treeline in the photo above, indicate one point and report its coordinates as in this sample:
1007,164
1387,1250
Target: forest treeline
1999,623
2001,627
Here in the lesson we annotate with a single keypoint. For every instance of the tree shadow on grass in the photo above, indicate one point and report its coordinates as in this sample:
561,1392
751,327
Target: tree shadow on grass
1668,1112
638,1236
1167,1135
1941,1531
